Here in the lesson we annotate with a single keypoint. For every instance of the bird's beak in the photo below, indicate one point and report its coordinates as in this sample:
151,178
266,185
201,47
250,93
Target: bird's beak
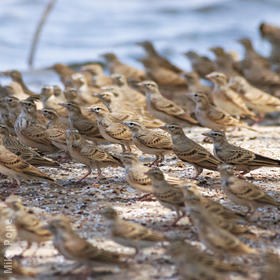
209,77
5,73
207,133
62,104
164,127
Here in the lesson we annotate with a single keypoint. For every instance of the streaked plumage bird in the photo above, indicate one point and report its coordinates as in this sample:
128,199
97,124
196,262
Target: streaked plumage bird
26,153
78,249
170,196
130,234
242,159
86,152
164,109
150,141
111,128
191,152
242,192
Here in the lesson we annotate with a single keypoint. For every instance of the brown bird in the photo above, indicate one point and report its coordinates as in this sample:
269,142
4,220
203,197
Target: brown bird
86,152
12,144
242,192
18,170
218,240
30,130
78,249
189,151
17,77
242,159
200,64
117,67
226,98
150,141
170,196
130,234
29,227
85,125
161,61
211,117
164,109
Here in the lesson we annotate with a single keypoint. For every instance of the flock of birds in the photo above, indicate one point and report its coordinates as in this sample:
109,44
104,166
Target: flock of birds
145,111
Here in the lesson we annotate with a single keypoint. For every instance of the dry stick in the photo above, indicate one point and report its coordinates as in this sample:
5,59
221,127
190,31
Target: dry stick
38,31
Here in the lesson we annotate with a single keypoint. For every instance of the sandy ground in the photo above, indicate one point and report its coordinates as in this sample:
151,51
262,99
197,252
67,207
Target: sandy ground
82,203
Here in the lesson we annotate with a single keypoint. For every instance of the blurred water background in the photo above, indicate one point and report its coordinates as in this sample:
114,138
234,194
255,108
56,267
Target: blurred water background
81,30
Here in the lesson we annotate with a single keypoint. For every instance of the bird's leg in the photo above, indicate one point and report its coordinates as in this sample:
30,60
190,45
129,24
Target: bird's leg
123,148
89,171
99,174
128,148
136,252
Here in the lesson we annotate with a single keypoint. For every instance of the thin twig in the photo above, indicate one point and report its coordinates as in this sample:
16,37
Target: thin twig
38,31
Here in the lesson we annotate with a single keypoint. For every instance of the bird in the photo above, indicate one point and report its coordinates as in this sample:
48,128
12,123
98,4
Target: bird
241,192
161,61
85,125
251,54
30,130
73,247
256,99
223,62
200,64
29,227
218,240
136,177
16,169
26,153
193,198
150,141
242,159
13,107
211,117
86,152
226,98
161,75
112,129
183,252
16,76
117,67
170,196
191,152
164,109
130,234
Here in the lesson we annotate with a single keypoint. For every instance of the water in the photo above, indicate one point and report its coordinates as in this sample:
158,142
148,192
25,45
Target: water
82,30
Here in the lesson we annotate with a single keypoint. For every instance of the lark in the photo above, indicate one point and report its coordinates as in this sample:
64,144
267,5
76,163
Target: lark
85,125
244,193
130,234
112,129
86,152
73,247
136,177
256,99
170,196
26,153
29,227
150,141
226,98
183,252
218,240
211,117
153,54
242,159
189,151
30,130
165,109
16,169
117,67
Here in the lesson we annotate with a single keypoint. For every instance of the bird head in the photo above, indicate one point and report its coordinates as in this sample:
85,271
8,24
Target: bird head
71,107
28,106
217,78
50,114
109,213
128,158
149,86
11,101
200,98
225,169
133,125
4,129
155,174
173,129
216,135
